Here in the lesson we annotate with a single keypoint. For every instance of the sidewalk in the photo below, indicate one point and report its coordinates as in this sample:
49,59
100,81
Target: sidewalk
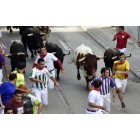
104,36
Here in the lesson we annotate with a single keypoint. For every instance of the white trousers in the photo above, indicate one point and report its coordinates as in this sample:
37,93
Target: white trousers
121,84
1,76
97,112
41,95
1,111
106,102
50,83
122,50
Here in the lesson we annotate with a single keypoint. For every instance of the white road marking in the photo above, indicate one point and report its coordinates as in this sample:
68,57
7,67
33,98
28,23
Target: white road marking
64,101
65,46
18,41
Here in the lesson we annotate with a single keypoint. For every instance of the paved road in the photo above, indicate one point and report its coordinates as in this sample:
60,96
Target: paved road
71,96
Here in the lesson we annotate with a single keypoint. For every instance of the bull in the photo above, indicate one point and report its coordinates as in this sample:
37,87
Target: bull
86,61
58,52
17,55
10,28
31,38
111,55
44,32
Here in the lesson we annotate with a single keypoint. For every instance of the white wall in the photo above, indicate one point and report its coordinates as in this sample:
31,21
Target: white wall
134,31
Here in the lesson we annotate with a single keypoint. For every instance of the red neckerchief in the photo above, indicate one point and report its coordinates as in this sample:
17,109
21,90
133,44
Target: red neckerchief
93,88
42,56
39,68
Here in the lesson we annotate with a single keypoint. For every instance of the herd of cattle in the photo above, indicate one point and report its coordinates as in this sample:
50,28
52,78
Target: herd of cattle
84,58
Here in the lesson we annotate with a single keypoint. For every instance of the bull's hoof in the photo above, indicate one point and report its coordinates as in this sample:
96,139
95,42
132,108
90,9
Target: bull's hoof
58,78
11,30
26,54
35,52
32,56
78,77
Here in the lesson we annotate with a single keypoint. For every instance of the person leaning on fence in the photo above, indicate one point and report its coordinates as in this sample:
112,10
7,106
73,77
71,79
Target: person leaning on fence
31,104
16,103
8,110
95,101
7,90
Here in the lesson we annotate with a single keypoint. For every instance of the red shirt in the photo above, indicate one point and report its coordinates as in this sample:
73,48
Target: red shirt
122,39
18,108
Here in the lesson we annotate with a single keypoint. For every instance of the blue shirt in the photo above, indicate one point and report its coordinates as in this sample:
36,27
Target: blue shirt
7,90
106,84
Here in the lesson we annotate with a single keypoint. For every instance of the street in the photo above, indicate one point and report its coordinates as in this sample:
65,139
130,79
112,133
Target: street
71,96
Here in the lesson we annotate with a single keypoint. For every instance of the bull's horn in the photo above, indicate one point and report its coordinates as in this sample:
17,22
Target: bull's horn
20,53
30,34
82,59
114,57
128,55
66,53
100,57
42,33
54,52
7,55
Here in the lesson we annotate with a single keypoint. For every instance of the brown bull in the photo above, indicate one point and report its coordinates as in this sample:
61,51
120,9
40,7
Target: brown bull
86,61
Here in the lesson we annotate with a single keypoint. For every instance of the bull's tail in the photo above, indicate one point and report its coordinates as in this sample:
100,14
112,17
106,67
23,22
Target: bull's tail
70,61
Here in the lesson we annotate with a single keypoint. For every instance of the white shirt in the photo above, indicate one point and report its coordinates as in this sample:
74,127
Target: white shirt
94,97
0,34
49,59
40,75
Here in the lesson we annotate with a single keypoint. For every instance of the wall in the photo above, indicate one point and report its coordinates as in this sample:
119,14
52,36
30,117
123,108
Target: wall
134,31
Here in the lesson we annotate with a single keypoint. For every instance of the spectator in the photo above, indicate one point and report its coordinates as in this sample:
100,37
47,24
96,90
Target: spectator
8,110
20,73
16,103
3,65
7,90
31,104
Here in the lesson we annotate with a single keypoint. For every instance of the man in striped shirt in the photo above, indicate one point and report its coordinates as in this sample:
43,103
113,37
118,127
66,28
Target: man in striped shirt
39,76
107,82
49,59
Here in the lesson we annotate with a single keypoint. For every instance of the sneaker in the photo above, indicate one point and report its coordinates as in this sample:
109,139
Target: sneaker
123,105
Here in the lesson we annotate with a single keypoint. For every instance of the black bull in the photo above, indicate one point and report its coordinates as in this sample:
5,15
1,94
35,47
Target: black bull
31,38
17,55
58,52
111,55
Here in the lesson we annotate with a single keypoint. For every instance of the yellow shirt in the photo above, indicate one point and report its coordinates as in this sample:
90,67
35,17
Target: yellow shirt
20,78
118,66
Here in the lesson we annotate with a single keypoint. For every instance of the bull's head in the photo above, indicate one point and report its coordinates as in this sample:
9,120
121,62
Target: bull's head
89,62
